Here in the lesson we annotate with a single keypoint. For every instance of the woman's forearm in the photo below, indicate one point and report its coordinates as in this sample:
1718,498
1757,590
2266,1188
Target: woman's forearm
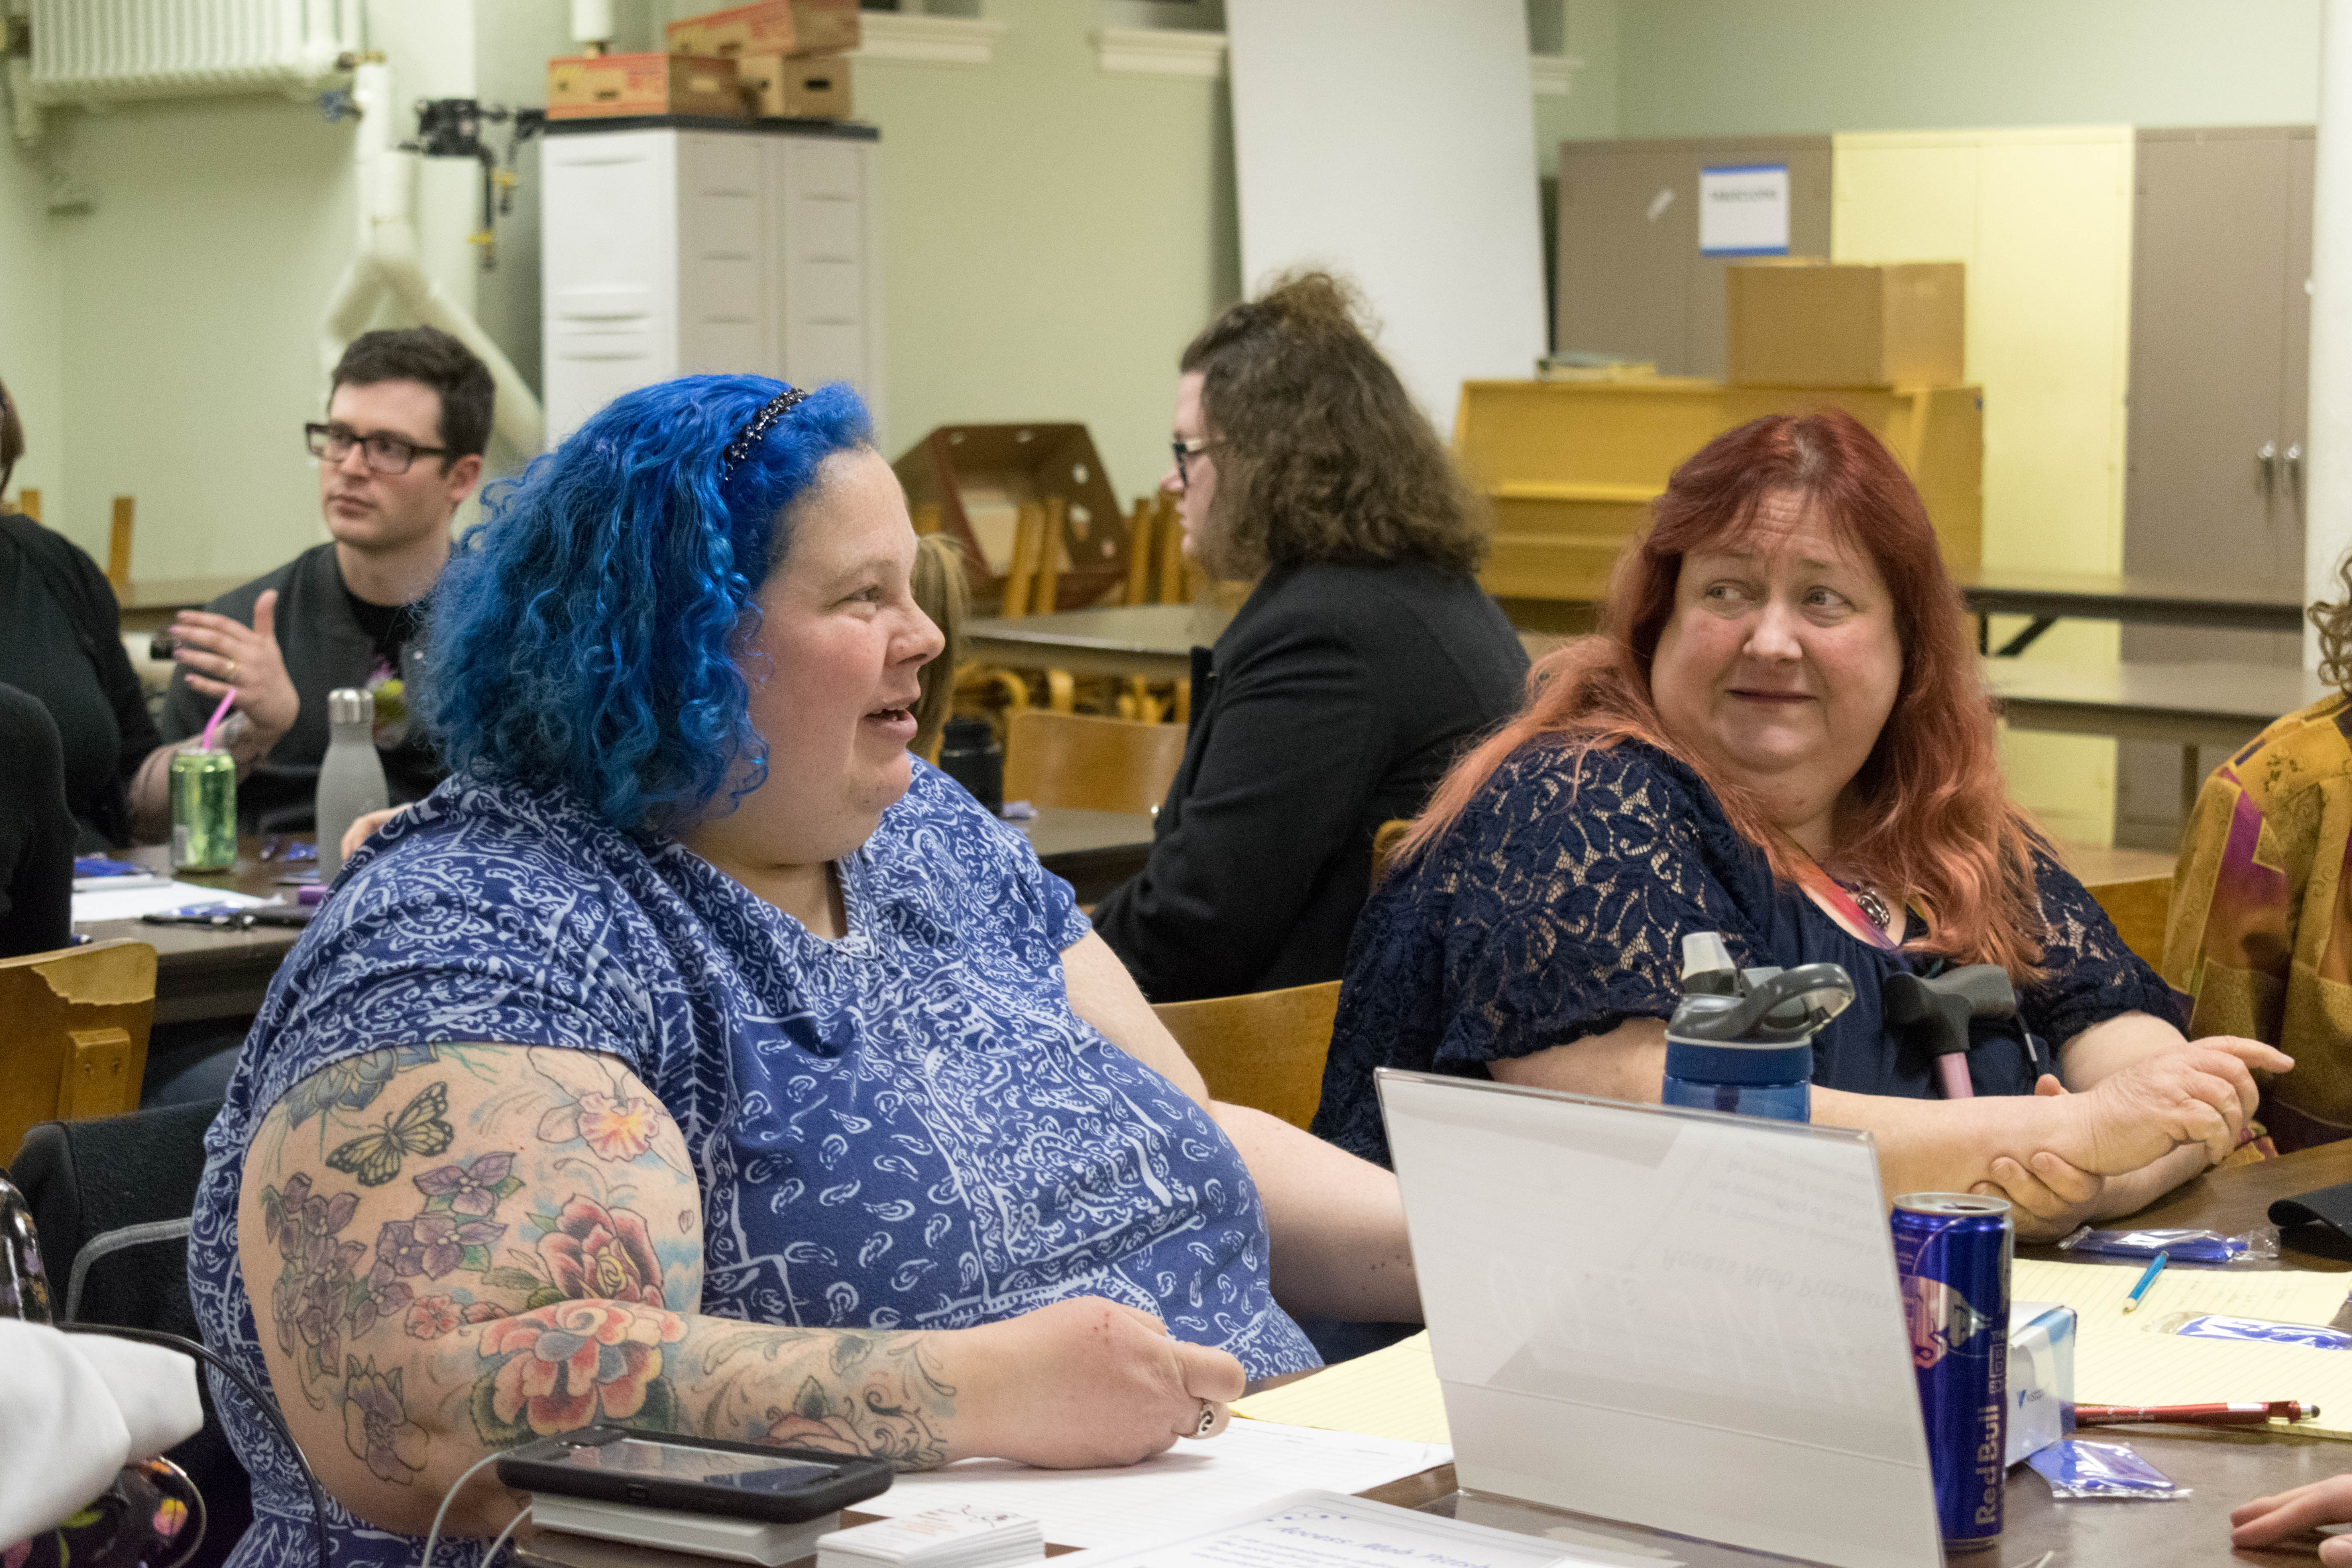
416,1415
1335,1223
2109,1047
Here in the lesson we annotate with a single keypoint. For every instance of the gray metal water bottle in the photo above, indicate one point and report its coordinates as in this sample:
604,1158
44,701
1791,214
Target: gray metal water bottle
350,780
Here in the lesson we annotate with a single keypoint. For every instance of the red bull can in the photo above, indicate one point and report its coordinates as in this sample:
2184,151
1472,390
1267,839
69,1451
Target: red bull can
1952,1251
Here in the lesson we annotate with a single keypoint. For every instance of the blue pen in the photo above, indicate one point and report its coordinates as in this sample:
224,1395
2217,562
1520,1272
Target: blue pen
2155,1266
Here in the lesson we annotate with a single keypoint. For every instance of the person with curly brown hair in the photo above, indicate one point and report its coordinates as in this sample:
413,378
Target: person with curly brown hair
1365,659
2259,935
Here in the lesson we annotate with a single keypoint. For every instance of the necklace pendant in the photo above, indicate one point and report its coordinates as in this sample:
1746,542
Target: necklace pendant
1871,904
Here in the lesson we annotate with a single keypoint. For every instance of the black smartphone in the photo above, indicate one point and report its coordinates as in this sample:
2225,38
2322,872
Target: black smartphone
694,1475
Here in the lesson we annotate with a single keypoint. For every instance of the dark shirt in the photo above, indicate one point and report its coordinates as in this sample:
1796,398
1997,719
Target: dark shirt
36,831
326,645
60,643
389,627
1334,702
1554,908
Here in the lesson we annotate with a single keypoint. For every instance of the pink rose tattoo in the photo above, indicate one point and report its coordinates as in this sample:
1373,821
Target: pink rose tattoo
602,1254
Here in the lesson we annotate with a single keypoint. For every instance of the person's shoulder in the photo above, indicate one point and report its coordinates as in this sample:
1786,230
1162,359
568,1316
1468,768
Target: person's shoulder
485,847
59,552
937,821
2308,749
239,601
1556,796
22,716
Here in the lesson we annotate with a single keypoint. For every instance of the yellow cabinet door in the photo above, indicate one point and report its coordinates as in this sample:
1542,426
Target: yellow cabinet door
2042,218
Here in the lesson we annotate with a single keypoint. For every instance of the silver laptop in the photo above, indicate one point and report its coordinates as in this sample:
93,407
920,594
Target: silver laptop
1670,1318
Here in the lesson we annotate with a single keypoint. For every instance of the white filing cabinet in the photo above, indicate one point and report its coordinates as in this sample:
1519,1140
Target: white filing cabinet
674,248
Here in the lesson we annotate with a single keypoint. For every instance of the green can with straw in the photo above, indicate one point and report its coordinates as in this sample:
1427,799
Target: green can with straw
204,803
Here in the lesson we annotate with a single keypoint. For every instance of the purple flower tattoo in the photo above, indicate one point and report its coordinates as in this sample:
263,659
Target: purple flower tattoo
431,1243
472,1189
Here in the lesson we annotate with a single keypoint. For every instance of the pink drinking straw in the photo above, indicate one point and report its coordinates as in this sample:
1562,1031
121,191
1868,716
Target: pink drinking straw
213,723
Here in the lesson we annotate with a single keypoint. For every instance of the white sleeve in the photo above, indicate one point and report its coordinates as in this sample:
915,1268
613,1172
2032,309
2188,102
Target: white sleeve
73,1410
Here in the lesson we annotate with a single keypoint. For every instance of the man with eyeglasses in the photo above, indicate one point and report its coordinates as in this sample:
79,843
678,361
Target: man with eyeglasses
407,419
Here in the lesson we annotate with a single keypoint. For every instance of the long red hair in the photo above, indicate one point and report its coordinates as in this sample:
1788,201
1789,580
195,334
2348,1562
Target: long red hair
1931,816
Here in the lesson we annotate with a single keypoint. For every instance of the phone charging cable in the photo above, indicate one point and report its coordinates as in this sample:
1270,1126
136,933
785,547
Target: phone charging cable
434,1535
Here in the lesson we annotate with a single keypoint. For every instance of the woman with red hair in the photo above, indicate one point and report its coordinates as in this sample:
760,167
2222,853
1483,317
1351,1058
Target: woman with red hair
1779,734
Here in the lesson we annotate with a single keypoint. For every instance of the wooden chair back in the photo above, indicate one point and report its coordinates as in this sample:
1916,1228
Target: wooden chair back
118,545
1385,839
1088,764
2137,907
73,1033
1264,1051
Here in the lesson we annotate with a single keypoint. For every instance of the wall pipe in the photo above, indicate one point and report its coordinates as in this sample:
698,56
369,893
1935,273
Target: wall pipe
387,264
2327,498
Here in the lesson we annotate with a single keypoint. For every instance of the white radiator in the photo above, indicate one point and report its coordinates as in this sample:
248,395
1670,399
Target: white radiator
113,50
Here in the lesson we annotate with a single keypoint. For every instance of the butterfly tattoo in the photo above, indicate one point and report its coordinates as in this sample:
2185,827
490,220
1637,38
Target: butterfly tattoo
420,1129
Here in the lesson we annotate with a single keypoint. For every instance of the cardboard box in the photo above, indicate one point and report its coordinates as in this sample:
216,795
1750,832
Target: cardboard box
599,86
2040,1377
1812,323
826,26
769,27
789,87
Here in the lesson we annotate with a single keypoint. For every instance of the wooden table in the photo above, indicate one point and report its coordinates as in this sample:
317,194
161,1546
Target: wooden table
2221,705
2136,599
1154,641
202,974
2224,1467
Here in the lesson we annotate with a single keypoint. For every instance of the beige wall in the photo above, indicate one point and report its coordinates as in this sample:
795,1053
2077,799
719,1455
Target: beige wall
1055,235
1713,68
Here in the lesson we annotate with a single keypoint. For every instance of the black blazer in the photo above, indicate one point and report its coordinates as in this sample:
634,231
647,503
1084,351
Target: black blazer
1334,702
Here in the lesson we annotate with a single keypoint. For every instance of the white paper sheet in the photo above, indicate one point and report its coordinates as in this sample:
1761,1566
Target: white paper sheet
1325,1529
1743,210
1253,1462
130,903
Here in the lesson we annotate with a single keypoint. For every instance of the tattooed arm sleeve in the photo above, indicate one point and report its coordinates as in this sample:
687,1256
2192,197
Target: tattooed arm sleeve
454,1249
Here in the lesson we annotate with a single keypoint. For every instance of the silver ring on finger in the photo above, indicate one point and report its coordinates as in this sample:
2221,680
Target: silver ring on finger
1208,1420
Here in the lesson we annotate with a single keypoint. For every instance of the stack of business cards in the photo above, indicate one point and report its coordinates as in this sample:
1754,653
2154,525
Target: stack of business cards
955,1536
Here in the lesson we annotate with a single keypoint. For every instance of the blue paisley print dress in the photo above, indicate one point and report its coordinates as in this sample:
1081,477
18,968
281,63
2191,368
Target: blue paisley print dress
1555,907
906,1128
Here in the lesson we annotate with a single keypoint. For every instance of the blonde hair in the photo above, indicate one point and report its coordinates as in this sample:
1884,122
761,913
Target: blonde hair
941,588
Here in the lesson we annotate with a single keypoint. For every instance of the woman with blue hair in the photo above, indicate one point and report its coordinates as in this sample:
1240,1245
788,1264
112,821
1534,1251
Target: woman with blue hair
696,1059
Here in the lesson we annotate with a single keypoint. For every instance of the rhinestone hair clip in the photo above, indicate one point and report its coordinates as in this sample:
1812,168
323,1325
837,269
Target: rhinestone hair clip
776,408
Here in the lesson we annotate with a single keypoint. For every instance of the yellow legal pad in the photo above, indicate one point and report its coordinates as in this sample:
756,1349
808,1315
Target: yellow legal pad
2120,1359
1390,1393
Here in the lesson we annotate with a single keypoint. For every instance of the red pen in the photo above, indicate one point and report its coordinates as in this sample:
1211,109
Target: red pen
2238,1414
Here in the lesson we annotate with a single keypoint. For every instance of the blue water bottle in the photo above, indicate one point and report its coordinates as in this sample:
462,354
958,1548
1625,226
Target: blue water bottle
1742,1041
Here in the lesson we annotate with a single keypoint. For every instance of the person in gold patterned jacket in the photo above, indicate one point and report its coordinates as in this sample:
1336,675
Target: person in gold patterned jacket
2257,935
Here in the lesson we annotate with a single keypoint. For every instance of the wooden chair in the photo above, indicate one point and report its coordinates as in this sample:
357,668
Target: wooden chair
26,504
118,546
1264,1050
1088,764
73,1033
1385,839
2137,907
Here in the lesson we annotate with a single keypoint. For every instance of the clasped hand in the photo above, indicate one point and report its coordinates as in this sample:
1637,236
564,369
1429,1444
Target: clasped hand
2094,1150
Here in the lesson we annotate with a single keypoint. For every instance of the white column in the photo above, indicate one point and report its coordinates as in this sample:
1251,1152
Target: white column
2327,510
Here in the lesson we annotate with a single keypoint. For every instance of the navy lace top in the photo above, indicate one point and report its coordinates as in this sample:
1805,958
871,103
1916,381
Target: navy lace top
1556,907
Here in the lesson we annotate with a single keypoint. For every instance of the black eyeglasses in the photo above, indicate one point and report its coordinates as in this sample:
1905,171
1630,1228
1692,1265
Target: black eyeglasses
1184,449
385,454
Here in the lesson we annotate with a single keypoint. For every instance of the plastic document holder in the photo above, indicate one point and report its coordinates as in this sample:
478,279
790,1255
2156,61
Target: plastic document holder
1669,1318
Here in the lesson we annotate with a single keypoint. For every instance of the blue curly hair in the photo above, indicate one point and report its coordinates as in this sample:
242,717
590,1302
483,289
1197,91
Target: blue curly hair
583,635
